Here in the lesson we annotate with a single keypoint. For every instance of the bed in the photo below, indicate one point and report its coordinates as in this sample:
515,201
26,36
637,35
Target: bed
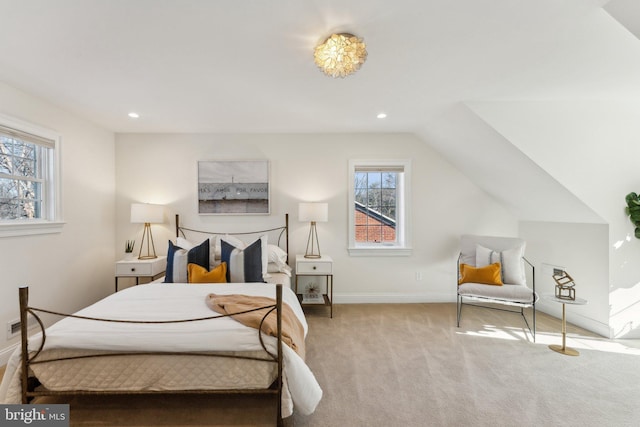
165,338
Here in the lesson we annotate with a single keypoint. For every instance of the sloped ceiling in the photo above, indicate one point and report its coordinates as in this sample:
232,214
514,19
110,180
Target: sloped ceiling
627,12
246,67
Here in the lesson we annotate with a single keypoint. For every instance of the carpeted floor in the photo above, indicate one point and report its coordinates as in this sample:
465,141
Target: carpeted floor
408,365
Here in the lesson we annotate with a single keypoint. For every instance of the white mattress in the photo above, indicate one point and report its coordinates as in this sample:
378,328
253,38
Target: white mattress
280,279
160,301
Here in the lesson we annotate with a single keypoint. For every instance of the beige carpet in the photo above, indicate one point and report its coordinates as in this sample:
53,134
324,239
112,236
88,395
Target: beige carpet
408,365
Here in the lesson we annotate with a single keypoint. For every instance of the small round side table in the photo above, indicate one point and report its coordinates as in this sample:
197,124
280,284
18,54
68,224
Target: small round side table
563,348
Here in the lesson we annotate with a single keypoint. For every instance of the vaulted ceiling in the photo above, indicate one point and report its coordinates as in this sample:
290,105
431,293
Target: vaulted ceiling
434,67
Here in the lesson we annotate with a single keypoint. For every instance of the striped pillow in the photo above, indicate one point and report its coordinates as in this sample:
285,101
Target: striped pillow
244,265
178,259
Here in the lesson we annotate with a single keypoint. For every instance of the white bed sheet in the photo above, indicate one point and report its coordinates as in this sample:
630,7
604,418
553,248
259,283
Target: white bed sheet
164,301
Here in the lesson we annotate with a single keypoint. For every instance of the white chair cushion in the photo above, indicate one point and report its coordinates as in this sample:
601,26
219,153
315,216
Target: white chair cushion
514,293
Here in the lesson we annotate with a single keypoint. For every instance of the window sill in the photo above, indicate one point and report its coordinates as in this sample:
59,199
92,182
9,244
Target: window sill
380,251
24,228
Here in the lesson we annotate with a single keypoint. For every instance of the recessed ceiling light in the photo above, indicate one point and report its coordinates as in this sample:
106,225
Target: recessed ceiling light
381,115
134,115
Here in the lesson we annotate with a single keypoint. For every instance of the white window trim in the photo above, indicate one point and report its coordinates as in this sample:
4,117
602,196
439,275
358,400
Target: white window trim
403,247
54,205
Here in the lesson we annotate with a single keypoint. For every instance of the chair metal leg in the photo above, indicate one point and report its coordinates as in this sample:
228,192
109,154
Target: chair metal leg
534,322
459,308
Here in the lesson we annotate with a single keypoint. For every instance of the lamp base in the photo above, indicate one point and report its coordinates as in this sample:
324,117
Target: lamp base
146,235
312,243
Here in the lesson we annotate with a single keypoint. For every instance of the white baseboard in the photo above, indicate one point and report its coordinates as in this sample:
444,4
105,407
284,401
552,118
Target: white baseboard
388,298
6,353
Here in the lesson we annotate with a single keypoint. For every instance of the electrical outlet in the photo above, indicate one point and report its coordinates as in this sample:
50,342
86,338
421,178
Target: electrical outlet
418,275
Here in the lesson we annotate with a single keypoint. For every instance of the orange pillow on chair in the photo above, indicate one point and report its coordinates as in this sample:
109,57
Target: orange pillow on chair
199,274
488,275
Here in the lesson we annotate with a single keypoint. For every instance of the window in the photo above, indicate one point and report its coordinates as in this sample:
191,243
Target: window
29,196
379,195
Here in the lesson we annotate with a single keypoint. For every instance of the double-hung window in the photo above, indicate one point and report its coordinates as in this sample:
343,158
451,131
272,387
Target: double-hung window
379,207
29,187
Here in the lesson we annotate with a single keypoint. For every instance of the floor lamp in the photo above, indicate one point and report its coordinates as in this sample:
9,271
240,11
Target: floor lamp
147,214
313,212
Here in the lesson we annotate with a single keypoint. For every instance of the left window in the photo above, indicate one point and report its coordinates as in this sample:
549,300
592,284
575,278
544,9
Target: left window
29,179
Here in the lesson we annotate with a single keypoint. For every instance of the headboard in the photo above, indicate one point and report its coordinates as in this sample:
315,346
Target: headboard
277,235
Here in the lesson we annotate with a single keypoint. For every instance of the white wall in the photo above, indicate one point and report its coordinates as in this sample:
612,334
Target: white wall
591,148
581,249
74,268
162,169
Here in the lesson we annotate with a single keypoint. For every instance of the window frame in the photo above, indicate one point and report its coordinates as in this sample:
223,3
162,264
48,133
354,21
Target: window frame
402,247
51,221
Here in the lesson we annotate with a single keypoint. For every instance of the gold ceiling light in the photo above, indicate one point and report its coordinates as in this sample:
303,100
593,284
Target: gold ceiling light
340,55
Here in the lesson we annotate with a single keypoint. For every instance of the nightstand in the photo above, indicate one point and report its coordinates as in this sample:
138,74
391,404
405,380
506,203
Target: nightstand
321,267
137,268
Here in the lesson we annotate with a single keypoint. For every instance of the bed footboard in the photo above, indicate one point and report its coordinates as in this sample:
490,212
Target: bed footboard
30,384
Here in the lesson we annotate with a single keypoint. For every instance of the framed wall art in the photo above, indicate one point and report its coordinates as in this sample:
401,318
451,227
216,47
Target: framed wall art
233,187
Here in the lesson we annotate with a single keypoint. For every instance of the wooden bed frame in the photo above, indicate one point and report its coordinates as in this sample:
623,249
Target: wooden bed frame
31,387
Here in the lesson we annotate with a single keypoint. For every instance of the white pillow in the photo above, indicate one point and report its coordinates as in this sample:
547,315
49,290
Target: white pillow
512,269
275,268
278,257
277,254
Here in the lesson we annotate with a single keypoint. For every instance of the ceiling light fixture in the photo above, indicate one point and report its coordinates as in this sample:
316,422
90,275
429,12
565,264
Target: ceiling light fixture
382,115
134,115
340,55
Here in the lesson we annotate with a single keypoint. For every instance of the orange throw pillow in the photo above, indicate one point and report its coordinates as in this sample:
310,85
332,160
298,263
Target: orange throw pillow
488,275
199,274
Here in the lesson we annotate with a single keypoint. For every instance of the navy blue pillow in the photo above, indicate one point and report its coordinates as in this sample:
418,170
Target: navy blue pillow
178,259
243,265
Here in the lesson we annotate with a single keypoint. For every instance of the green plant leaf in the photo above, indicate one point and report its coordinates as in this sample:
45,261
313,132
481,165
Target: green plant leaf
633,211
631,196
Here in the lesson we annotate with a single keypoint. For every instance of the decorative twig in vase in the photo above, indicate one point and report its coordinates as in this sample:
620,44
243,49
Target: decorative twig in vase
128,249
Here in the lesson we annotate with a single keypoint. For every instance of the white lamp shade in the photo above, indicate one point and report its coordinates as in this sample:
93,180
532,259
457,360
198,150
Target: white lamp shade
315,212
147,213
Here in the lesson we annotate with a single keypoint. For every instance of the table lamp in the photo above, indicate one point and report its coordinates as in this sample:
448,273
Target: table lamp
145,213
313,212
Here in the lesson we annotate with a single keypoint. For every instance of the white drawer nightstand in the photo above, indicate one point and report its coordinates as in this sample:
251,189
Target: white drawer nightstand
137,268
322,267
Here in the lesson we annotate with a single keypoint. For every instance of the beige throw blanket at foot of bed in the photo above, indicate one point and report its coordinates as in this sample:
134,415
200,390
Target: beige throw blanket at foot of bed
292,329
